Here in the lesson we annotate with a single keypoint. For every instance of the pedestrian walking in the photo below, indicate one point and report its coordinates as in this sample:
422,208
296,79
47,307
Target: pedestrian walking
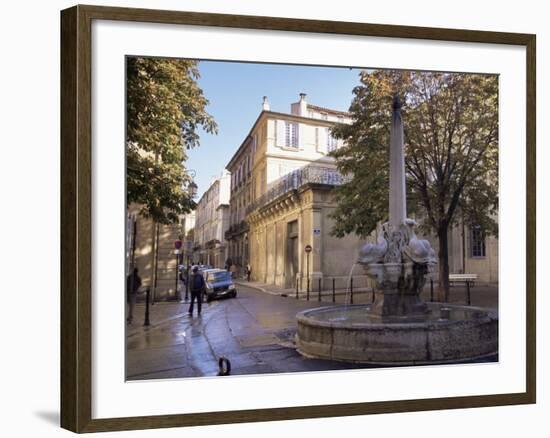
197,285
248,271
133,283
228,263
233,270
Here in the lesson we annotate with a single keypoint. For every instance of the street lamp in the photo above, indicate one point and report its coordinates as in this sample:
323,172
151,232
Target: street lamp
192,186
192,189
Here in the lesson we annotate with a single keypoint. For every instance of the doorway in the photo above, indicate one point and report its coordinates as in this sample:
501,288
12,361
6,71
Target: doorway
292,254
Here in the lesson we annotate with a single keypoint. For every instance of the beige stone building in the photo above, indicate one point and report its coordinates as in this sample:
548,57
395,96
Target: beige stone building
472,253
150,248
211,223
282,199
281,181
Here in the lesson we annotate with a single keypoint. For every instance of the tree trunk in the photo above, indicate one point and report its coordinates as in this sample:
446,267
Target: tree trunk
443,255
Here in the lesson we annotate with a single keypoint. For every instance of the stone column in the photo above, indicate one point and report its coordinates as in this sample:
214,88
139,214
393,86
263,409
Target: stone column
398,200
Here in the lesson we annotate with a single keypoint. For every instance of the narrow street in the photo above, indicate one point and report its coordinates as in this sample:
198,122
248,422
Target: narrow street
255,331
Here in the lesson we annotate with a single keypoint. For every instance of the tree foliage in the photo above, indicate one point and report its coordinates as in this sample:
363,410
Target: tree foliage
165,111
451,147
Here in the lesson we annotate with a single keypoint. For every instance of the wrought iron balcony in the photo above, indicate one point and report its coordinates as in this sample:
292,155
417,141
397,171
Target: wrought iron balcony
296,179
236,229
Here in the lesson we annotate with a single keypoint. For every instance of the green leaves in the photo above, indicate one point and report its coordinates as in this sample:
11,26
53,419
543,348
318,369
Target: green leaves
451,140
165,109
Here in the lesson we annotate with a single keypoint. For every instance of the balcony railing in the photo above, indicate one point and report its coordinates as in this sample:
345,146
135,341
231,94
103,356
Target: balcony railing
235,229
296,179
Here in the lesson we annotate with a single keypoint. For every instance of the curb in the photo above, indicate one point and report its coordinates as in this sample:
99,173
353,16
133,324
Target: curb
261,289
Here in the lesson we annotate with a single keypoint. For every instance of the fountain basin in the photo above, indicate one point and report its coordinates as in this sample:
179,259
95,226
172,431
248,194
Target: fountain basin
446,333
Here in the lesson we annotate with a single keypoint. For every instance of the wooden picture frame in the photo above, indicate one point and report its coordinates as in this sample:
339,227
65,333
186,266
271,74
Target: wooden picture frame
76,217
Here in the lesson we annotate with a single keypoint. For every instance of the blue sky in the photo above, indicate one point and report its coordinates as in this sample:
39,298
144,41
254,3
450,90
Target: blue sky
235,92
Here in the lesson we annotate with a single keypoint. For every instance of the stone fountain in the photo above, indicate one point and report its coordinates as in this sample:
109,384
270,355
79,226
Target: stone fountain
398,327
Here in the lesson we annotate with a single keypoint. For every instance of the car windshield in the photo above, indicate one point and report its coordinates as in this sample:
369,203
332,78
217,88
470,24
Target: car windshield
219,276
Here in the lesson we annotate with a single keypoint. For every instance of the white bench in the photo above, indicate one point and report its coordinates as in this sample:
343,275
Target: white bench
463,278
469,279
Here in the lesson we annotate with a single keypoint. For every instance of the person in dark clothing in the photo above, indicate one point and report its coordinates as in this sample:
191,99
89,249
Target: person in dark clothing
133,283
197,286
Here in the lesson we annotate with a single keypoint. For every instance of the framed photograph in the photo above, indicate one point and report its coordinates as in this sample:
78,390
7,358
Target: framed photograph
341,214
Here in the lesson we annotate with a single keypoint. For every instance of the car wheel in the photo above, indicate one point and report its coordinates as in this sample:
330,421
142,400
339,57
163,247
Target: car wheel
234,294
208,299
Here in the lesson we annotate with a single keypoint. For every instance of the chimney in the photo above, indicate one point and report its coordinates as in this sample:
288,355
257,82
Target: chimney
265,104
303,105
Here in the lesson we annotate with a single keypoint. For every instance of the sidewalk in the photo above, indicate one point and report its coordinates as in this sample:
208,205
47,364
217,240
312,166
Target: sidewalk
159,313
267,288
481,295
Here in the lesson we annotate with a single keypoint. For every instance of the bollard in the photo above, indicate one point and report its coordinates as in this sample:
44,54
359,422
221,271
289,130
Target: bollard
147,298
333,291
468,293
372,295
224,366
431,290
351,291
319,297
297,287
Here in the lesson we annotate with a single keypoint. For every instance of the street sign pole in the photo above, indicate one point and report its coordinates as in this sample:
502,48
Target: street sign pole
308,249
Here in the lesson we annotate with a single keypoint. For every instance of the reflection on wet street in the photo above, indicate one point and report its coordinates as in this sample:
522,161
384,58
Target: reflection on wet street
255,331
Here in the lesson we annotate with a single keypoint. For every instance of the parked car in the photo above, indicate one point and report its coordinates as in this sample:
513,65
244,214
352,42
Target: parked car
219,284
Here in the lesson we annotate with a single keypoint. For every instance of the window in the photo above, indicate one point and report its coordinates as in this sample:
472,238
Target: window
477,242
332,143
292,229
324,116
291,135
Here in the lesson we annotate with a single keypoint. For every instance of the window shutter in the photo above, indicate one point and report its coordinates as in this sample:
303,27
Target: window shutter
322,145
280,133
298,143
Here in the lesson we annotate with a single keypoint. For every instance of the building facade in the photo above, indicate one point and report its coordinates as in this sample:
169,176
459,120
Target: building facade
211,223
281,200
150,248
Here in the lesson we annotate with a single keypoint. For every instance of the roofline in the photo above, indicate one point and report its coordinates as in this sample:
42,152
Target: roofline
265,113
329,110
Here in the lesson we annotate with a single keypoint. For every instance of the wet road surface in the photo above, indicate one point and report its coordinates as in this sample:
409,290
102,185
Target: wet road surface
255,331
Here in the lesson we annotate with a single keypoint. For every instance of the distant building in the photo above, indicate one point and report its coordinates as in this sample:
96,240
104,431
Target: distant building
187,222
211,223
